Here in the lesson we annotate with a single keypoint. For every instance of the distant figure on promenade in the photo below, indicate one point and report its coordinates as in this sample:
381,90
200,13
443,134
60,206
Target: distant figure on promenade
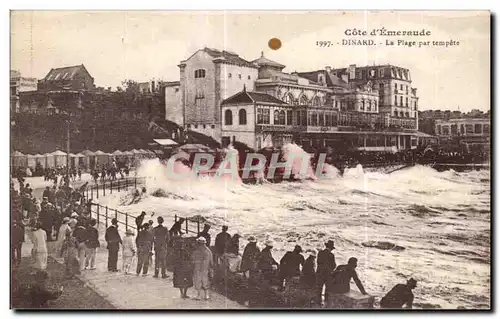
69,251
340,281
175,230
39,239
202,268
91,244
326,266
17,233
80,234
46,192
290,265
183,268
399,295
221,242
249,260
80,174
161,240
144,247
204,233
61,234
308,278
40,294
114,240
129,250
139,220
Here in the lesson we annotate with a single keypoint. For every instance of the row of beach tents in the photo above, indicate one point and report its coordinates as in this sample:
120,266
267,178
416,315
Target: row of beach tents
86,159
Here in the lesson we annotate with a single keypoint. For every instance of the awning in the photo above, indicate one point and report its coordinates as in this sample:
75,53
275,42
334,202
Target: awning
165,142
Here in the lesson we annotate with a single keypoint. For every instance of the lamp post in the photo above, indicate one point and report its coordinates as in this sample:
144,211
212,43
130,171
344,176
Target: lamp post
67,147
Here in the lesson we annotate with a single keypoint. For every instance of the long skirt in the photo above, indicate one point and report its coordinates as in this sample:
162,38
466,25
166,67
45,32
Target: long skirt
183,276
41,260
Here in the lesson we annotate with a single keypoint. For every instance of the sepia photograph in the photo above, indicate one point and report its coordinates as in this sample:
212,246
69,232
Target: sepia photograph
247,160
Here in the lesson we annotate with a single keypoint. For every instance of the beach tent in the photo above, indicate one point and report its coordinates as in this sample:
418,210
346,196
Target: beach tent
19,159
49,160
90,160
101,158
80,160
59,158
31,161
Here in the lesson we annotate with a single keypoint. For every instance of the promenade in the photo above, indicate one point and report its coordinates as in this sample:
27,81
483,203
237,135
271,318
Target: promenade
137,292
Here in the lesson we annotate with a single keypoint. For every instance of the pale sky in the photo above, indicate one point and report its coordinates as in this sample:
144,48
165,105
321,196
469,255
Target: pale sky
142,45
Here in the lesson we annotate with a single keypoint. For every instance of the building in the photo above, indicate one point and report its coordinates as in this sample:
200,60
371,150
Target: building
18,85
473,133
207,78
71,78
371,108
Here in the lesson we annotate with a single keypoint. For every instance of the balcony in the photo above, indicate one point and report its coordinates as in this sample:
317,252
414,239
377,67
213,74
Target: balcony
274,128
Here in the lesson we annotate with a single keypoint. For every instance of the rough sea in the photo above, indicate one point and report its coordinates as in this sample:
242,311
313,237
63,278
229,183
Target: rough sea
414,222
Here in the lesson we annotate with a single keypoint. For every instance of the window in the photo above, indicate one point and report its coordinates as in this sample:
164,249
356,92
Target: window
276,117
304,118
486,128
406,102
282,118
401,100
239,76
363,105
396,100
439,129
381,73
196,126
289,116
321,119
212,126
303,100
299,118
263,116
337,104
242,116
249,77
369,106
469,128
477,129
204,126
446,130
229,75
288,98
401,87
401,114
407,89
381,88
314,119
453,129
316,101
199,73
395,87
176,90
407,114
462,129
228,117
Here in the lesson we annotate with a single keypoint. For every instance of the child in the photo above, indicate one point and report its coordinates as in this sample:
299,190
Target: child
69,251
129,249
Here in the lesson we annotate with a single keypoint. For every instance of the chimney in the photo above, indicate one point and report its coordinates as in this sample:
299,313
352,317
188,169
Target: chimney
328,69
352,71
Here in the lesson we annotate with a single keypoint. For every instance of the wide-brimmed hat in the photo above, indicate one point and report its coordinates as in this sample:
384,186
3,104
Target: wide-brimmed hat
252,239
201,240
236,235
330,244
129,232
66,220
269,243
73,215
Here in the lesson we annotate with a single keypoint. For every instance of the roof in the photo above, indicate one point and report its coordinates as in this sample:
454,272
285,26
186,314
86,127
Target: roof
58,153
229,57
65,73
165,142
252,97
422,134
172,83
265,61
331,79
17,153
100,153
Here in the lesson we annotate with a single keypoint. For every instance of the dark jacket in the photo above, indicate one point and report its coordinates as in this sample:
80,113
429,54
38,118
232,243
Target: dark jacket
340,281
92,237
46,193
326,262
112,236
80,233
206,235
138,221
161,237
398,297
144,241
290,264
266,260
250,256
308,277
17,233
221,242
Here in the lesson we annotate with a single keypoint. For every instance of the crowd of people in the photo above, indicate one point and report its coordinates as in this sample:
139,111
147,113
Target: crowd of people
109,171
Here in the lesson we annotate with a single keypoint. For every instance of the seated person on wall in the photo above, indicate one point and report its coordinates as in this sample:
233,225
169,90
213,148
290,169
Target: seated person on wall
340,281
399,296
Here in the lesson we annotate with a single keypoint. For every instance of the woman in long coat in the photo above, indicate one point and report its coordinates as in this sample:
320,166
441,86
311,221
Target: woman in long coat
249,260
202,267
40,247
183,269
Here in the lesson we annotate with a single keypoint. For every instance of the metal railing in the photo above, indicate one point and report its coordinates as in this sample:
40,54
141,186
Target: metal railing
99,189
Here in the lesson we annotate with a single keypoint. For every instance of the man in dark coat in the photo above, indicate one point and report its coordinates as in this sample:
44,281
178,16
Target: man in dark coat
326,266
250,256
17,233
114,240
221,242
46,192
290,265
176,228
52,195
308,278
161,239
204,233
47,217
399,296
340,281
266,263
144,250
